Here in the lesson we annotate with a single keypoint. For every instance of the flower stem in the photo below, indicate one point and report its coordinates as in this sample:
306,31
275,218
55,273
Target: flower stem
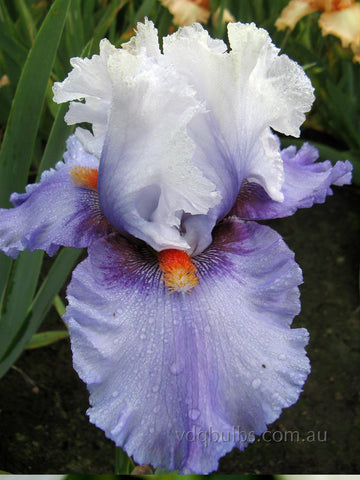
123,463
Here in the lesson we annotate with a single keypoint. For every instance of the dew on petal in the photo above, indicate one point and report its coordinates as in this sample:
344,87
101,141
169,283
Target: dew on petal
194,414
256,383
207,329
176,368
276,400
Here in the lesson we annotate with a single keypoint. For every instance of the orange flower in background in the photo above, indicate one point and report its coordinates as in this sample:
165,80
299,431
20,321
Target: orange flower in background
226,16
340,18
187,12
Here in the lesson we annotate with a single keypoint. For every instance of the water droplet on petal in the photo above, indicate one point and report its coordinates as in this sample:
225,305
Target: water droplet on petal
277,400
155,388
152,430
176,368
256,383
115,393
282,356
194,414
294,376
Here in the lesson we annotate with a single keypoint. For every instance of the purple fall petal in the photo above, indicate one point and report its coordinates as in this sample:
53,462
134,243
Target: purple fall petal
306,183
54,212
161,368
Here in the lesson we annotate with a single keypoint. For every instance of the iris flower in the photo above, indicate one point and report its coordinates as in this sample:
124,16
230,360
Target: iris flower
339,17
180,316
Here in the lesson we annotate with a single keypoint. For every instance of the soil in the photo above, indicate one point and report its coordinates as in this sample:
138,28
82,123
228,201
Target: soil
44,428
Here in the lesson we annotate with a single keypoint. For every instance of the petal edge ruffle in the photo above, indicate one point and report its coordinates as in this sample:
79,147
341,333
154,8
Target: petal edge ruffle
306,182
161,366
54,212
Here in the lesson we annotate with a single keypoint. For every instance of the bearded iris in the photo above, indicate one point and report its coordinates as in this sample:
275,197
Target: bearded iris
339,17
180,316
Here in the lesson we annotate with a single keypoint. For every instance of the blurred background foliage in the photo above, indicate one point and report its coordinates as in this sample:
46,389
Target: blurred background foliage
37,39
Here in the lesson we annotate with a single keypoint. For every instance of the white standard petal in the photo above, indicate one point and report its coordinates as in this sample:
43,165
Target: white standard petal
278,85
246,91
89,85
145,41
147,179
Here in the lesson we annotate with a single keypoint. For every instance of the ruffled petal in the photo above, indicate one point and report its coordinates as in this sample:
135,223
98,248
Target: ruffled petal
57,211
88,82
145,41
292,13
245,91
180,131
178,380
147,179
306,183
277,87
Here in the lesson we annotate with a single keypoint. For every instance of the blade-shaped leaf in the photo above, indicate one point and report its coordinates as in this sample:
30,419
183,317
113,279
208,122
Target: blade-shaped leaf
43,339
59,305
19,294
74,29
55,145
20,134
107,18
88,9
56,277
27,23
15,158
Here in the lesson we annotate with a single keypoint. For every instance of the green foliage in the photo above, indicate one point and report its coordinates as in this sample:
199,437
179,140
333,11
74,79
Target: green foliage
19,282
123,464
43,339
335,117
